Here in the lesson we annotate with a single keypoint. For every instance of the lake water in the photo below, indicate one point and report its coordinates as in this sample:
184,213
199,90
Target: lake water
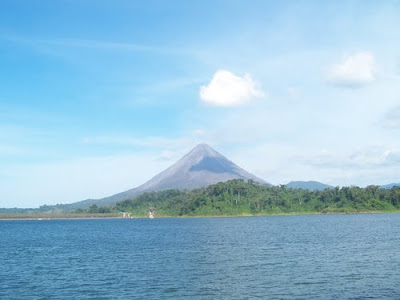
285,257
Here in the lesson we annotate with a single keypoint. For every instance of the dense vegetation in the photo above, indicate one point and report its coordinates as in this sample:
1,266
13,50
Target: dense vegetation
235,198
238,197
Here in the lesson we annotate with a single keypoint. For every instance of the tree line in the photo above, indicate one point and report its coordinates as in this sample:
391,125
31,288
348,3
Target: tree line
239,197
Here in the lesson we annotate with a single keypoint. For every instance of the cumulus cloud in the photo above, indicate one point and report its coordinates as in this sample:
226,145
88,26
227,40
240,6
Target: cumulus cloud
227,89
354,71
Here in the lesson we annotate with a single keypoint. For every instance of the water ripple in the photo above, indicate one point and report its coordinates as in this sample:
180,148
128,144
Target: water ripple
304,257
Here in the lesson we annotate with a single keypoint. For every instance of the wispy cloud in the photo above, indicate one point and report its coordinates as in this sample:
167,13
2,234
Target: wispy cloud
40,43
354,71
362,159
391,119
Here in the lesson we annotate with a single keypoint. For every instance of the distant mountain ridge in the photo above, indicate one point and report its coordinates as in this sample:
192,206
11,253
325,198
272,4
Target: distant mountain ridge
308,185
201,167
389,186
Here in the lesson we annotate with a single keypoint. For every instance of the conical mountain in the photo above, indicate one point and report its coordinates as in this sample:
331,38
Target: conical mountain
201,167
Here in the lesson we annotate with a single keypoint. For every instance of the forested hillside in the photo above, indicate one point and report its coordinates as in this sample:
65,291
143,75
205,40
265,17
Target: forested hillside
238,197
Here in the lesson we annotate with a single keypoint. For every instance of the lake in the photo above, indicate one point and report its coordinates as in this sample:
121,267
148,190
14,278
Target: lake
282,257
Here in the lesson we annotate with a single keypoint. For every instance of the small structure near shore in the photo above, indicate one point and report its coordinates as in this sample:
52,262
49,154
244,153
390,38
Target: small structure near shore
151,212
126,215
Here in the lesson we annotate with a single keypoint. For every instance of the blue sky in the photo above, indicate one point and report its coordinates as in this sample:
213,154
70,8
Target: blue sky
96,97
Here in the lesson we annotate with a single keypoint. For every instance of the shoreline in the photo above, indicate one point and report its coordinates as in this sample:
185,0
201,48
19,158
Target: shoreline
113,216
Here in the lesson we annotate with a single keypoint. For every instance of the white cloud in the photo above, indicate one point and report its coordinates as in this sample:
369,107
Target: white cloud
227,89
354,71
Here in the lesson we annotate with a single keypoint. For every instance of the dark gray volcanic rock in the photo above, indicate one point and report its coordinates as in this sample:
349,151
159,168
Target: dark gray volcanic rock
308,185
201,167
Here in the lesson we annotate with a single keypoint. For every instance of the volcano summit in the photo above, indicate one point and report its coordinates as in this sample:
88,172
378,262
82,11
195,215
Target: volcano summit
201,167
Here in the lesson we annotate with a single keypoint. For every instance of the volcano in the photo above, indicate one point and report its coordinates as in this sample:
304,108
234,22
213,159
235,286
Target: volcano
201,167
